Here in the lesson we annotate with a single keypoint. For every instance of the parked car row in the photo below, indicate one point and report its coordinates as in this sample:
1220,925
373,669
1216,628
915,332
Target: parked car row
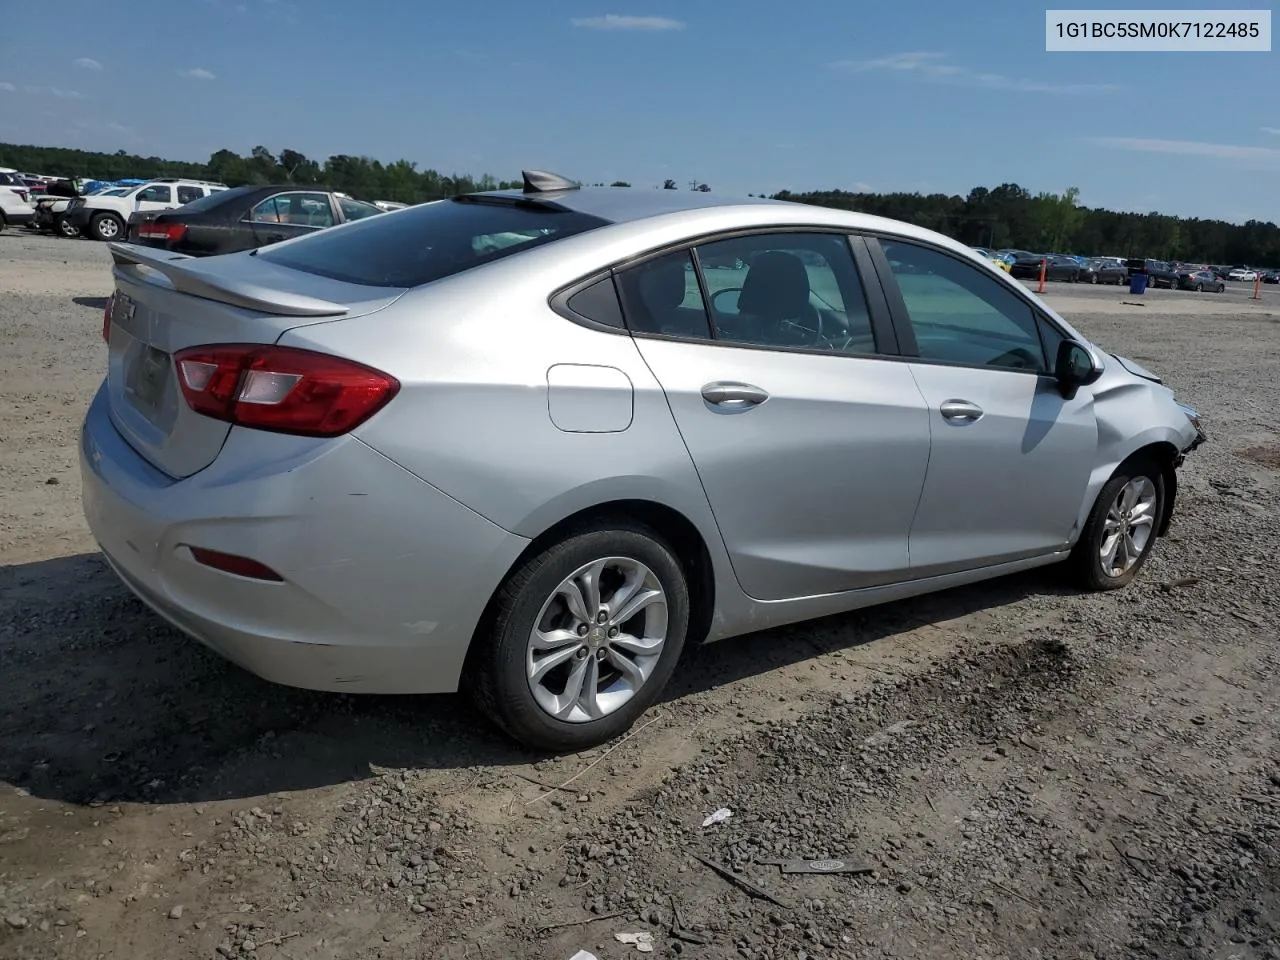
1073,268
243,218
194,217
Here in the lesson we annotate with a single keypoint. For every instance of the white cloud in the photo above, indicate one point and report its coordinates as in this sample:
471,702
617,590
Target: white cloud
613,21
1275,130
197,73
8,87
58,92
88,63
1192,148
933,67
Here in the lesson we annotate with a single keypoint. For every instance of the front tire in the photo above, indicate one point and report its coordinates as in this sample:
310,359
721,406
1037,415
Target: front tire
581,638
1121,529
65,229
106,227
1199,288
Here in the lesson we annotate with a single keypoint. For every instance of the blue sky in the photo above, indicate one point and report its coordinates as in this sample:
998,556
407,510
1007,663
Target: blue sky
749,96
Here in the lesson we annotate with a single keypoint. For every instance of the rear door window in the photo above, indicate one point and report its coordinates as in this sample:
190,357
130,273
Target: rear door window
299,209
430,242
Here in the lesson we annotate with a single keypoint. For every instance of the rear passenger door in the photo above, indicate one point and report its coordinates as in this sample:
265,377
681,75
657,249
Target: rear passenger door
187,193
811,446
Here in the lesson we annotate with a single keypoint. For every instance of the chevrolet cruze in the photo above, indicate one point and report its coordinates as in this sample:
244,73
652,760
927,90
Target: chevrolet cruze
535,442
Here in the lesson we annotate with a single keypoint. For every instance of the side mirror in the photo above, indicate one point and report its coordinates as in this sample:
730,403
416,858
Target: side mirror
1075,367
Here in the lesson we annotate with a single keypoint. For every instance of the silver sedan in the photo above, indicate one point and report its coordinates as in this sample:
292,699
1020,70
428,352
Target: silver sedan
534,442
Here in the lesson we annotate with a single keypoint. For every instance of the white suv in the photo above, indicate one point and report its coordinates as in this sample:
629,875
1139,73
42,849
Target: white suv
103,217
15,206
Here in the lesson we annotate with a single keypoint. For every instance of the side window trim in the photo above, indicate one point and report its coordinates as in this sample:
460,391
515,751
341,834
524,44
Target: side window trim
903,331
902,319
703,292
882,326
559,303
1043,322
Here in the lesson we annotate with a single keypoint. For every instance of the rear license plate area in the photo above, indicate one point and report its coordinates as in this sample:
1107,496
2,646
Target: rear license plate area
149,377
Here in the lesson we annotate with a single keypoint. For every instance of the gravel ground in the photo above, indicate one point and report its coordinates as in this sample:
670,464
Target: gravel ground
1020,770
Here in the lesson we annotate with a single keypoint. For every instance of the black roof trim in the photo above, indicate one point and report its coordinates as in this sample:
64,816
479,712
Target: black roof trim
511,199
540,181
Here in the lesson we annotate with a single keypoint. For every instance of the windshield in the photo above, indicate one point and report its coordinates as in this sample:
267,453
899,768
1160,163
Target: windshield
429,242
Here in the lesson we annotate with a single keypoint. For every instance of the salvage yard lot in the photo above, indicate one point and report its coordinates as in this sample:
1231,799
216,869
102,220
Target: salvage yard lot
1029,771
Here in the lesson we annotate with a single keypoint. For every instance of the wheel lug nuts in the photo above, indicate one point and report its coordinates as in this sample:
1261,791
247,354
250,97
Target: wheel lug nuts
613,632
602,616
581,654
600,653
582,629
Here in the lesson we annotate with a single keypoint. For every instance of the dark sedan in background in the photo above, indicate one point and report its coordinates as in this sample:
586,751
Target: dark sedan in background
244,218
1159,273
1056,267
1098,270
1201,280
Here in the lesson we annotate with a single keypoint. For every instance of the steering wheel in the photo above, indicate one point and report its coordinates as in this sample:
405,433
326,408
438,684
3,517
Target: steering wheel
813,334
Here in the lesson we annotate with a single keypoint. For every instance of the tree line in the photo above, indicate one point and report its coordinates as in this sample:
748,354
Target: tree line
1010,217
1006,216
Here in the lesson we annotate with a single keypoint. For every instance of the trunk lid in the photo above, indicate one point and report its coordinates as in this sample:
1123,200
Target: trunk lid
165,302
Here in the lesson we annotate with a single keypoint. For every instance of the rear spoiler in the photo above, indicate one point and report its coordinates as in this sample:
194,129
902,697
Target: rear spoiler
174,266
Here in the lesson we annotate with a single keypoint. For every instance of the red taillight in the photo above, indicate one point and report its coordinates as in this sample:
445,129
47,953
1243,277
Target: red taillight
171,232
282,389
106,318
232,563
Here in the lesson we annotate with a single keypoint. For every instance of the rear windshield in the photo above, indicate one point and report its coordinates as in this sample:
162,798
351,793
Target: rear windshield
429,242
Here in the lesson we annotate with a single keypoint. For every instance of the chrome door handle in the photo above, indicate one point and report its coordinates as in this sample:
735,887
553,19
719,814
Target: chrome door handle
732,394
961,410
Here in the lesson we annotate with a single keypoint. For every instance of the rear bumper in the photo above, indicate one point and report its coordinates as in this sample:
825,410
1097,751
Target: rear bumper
385,577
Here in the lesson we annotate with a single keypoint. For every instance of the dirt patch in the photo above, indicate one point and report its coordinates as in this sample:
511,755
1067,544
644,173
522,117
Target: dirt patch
1266,454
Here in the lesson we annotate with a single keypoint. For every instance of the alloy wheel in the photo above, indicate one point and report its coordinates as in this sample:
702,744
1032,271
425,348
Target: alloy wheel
1128,527
597,639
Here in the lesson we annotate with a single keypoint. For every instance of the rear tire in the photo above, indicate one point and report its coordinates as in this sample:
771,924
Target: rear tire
1121,529
1199,288
106,227
506,670
64,229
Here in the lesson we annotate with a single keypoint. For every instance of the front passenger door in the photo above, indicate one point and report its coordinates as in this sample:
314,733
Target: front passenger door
1010,458
158,196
